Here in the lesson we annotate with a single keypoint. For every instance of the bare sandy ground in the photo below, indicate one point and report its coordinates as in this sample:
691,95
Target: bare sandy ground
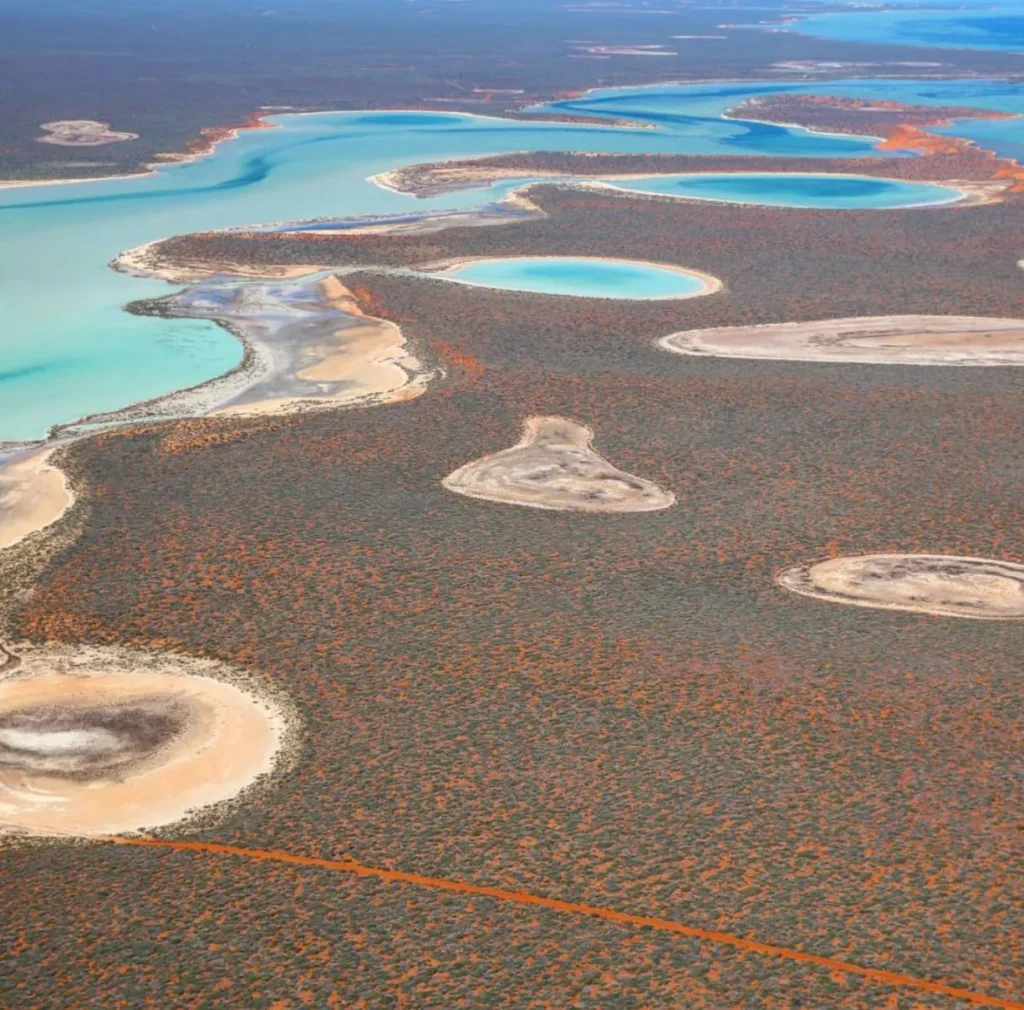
97,741
33,494
81,133
554,466
709,283
309,347
878,340
925,583
319,358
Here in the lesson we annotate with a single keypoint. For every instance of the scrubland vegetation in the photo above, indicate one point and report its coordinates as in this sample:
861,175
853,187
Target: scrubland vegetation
618,710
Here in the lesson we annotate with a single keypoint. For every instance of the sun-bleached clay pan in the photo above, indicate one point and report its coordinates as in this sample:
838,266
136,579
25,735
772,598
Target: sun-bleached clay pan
865,340
554,466
925,583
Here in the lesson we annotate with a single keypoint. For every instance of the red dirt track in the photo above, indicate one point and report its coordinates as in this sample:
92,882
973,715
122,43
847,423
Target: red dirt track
595,911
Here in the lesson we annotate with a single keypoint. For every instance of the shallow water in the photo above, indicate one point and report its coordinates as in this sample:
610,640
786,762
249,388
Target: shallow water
1000,28
581,277
68,349
826,192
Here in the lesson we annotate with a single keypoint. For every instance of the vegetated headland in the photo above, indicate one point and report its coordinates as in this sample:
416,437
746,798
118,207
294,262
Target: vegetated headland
899,127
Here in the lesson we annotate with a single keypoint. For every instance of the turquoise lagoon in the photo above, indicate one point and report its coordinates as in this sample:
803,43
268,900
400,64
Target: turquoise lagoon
821,191
579,276
68,349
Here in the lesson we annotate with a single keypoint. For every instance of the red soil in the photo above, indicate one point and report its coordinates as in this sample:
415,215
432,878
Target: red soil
574,908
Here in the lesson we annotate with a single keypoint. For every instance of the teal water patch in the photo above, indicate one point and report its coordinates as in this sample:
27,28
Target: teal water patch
580,277
999,28
824,192
68,349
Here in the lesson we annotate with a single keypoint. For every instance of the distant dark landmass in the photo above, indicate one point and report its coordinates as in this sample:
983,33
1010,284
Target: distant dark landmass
167,72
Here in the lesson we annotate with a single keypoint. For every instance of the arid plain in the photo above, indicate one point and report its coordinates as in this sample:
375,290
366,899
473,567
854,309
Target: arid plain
468,647
622,711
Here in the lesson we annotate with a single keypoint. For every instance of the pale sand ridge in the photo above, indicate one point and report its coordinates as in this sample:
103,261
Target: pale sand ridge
554,466
946,586
878,340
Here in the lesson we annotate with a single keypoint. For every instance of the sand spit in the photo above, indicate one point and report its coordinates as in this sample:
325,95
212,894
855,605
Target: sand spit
147,261
873,340
308,347
34,493
937,584
160,259
554,466
95,741
81,133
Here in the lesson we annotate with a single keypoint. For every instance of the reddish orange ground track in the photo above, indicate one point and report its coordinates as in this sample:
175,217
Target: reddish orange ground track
594,911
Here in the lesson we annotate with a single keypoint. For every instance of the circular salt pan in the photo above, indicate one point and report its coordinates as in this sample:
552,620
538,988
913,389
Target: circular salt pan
103,741
879,340
926,583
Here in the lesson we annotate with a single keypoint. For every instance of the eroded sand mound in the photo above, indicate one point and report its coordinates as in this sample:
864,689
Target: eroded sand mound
102,741
881,340
81,133
927,583
553,466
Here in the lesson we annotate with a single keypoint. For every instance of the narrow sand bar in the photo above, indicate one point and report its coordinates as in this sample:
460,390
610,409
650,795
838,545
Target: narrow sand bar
97,741
869,340
554,466
938,584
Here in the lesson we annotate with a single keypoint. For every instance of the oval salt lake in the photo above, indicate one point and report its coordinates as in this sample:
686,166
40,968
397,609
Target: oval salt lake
582,276
796,189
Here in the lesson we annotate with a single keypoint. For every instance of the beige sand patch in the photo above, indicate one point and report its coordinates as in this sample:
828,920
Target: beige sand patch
927,583
880,340
554,466
101,741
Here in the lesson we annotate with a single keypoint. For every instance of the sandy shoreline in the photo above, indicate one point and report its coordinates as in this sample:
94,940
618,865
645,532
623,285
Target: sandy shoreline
206,144
315,350
461,175
34,494
144,261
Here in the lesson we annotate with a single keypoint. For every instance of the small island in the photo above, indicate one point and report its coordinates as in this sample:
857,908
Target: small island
554,466
82,133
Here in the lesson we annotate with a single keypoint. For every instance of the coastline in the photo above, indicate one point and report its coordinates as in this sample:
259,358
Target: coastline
204,145
353,361
34,494
968,192
217,396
